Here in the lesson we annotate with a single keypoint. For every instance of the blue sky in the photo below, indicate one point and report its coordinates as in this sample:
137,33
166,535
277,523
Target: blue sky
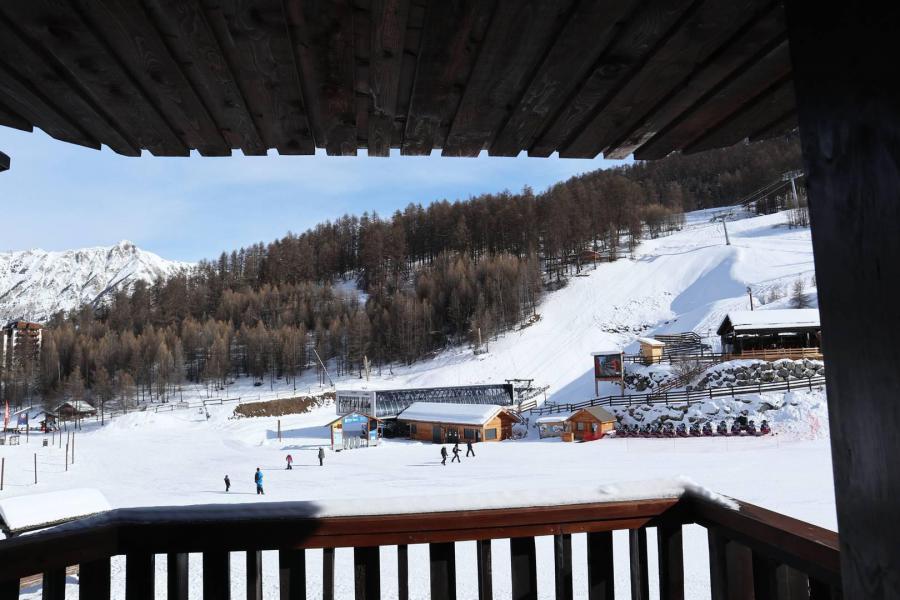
193,208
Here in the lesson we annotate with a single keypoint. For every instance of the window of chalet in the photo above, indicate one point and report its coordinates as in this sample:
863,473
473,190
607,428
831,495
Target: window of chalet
469,433
490,434
580,426
412,429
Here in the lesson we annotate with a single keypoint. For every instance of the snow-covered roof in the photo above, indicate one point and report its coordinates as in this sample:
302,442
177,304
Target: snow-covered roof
555,418
598,411
650,341
33,412
35,511
446,412
773,319
607,351
78,405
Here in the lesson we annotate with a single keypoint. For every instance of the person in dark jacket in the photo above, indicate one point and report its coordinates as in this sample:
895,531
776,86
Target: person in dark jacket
227,483
321,457
469,450
456,453
258,478
444,455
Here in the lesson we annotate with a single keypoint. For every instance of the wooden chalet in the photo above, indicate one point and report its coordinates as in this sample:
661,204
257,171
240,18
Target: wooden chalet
75,409
586,424
441,422
578,78
749,330
651,350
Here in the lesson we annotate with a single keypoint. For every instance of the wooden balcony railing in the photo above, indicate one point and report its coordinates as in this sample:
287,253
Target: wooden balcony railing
754,553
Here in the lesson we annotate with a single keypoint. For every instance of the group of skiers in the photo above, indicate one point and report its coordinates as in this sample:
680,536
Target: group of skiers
469,452
258,476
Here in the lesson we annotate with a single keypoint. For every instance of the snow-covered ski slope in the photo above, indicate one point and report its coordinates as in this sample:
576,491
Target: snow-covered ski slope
683,282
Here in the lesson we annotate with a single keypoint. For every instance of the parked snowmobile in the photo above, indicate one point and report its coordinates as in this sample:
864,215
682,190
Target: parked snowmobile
695,429
707,429
722,428
736,428
681,430
646,431
668,430
751,427
764,428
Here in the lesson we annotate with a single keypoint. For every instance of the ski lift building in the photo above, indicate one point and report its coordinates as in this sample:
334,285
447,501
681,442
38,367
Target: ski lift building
387,404
745,330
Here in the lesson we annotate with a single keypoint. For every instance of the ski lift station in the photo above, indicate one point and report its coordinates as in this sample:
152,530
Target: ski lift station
388,404
444,422
749,330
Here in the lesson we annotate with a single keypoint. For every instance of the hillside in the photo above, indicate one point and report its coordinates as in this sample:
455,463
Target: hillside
34,284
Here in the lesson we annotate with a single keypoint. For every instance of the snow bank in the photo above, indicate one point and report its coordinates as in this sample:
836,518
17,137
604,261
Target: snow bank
34,511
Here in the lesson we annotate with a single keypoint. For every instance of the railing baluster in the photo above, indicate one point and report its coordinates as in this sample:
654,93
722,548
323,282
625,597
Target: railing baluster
367,573
140,576
292,574
328,574
765,582
94,580
177,575
54,584
562,554
739,565
671,562
216,575
524,568
254,575
792,584
9,590
402,572
640,577
823,591
442,558
485,580
718,565
600,566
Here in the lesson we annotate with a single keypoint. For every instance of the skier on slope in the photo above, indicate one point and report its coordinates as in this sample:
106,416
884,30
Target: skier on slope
258,478
456,453
321,457
290,461
444,455
227,483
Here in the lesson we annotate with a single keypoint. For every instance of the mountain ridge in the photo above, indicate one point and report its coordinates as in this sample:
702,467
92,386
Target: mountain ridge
36,283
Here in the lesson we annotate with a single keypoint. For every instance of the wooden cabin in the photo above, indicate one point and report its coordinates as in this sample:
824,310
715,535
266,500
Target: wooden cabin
585,424
442,422
751,330
651,350
75,409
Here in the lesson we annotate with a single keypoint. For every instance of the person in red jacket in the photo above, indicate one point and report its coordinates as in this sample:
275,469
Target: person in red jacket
290,461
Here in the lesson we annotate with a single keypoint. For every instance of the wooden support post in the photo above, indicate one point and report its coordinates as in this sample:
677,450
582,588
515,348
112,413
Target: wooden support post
640,577
67,456
54,584
177,576
9,590
562,555
217,575
524,568
328,573
671,562
600,566
848,108
254,575
94,580
279,430
718,565
140,576
35,468
367,573
485,581
739,567
402,572
292,574
442,560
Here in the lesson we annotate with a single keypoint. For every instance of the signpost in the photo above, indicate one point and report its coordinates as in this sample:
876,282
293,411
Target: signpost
609,365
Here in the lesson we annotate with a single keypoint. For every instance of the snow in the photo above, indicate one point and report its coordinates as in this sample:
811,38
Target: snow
444,412
42,510
555,417
687,281
774,319
650,341
34,284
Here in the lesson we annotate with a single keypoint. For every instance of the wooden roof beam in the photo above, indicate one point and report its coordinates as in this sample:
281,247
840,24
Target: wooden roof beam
771,65
10,118
389,24
621,59
764,29
4,162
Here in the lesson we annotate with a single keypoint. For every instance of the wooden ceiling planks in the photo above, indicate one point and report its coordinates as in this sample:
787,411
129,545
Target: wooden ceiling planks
578,77
191,40
617,64
700,36
720,101
521,33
